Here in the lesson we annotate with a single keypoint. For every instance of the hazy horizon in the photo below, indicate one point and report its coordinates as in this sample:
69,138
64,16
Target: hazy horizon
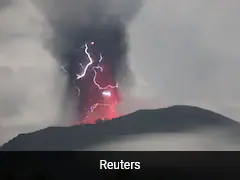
180,52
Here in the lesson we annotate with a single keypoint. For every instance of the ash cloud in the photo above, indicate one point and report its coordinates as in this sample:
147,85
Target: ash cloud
5,3
76,22
35,38
189,55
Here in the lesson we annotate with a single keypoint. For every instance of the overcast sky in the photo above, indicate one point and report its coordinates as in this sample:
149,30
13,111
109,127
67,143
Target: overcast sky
187,52
181,52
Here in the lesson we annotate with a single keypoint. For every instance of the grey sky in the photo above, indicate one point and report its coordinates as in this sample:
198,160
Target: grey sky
29,93
187,52
181,52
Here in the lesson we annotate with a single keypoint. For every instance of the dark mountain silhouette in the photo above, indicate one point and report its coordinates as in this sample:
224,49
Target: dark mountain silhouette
166,120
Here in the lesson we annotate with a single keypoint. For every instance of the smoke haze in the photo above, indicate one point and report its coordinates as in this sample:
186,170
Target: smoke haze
181,52
75,23
29,92
37,37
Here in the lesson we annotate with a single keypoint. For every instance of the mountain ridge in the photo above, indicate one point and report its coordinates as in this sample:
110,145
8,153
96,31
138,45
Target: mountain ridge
178,118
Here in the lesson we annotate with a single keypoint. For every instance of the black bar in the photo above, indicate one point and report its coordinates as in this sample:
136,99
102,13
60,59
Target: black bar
65,164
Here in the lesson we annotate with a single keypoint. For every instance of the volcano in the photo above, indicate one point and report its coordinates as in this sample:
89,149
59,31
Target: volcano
175,119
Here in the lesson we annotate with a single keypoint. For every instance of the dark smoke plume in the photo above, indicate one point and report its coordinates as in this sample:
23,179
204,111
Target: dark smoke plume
75,22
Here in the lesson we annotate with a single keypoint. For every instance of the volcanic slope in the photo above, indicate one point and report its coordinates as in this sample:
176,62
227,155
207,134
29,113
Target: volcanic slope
175,119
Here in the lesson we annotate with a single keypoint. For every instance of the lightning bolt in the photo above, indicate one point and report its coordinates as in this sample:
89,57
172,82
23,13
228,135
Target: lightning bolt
81,65
101,58
82,74
78,91
98,85
96,105
106,93
62,67
89,64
